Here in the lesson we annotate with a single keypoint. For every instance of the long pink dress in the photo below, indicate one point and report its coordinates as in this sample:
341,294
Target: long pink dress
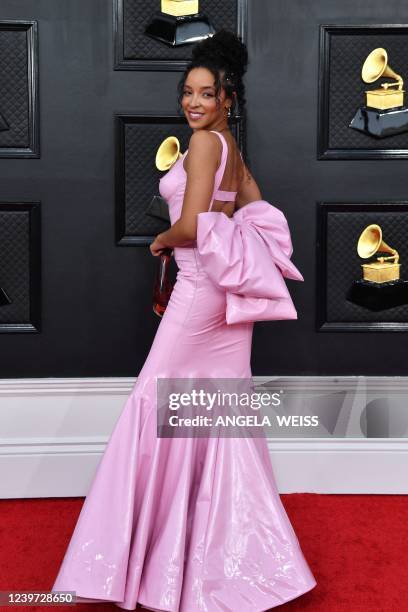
196,524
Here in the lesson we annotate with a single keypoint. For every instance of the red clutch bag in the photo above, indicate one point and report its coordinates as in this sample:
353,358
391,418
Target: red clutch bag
162,285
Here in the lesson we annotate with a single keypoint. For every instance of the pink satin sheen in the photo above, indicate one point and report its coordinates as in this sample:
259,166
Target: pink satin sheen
195,524
248,255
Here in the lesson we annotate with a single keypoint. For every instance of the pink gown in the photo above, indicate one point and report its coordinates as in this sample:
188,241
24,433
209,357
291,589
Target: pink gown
196,524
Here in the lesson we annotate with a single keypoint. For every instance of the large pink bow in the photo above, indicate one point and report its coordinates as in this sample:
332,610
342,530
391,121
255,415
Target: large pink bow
248,255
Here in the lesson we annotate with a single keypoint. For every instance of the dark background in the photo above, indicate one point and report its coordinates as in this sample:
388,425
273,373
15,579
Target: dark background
96,296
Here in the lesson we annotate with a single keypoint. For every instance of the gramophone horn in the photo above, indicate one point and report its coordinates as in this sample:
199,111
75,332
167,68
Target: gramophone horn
376,65
370,242
168,153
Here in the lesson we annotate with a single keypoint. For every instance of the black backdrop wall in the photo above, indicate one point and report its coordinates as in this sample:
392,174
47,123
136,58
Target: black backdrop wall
96,296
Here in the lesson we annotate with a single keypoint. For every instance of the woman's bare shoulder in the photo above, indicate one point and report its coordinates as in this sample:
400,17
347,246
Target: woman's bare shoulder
204,147
204,139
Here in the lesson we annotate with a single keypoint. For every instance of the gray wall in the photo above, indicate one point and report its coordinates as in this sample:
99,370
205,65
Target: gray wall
96,297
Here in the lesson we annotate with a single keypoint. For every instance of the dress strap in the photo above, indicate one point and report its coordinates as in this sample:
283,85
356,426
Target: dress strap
220,171
227,196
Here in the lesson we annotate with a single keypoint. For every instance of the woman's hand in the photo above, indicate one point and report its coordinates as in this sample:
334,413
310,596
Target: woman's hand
157,246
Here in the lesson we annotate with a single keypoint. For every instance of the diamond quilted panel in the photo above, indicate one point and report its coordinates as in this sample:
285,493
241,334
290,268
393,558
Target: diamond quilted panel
14,92
344,263
347,89
15,264
141,176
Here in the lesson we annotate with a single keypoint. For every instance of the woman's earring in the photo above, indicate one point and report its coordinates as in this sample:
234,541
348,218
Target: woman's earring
229,112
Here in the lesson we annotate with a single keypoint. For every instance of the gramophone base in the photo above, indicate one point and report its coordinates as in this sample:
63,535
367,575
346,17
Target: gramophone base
4,298
3,124
378,296
176,31
380,123
159,209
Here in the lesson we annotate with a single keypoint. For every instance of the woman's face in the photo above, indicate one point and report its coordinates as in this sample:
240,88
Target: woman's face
199,102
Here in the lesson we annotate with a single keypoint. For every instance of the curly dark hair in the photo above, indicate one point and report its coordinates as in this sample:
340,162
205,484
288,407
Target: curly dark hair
226,57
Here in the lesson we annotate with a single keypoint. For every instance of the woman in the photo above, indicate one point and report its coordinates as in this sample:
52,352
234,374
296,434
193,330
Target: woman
196,523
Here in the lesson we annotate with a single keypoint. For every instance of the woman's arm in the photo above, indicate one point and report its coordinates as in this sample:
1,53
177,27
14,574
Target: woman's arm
202,162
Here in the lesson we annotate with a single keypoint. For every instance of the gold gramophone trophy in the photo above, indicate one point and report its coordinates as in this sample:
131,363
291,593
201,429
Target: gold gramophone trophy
381,286
179,23
167,155
384,113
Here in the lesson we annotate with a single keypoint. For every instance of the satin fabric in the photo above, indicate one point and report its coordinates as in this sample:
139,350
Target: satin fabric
185,524
248,255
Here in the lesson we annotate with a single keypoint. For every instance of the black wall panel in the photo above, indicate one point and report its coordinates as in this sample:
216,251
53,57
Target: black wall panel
96,296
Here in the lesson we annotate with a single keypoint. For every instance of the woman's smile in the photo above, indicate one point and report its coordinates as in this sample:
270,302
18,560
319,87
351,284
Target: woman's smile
194,115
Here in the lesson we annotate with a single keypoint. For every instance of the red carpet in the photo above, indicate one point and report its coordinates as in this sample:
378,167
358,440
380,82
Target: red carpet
356,546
